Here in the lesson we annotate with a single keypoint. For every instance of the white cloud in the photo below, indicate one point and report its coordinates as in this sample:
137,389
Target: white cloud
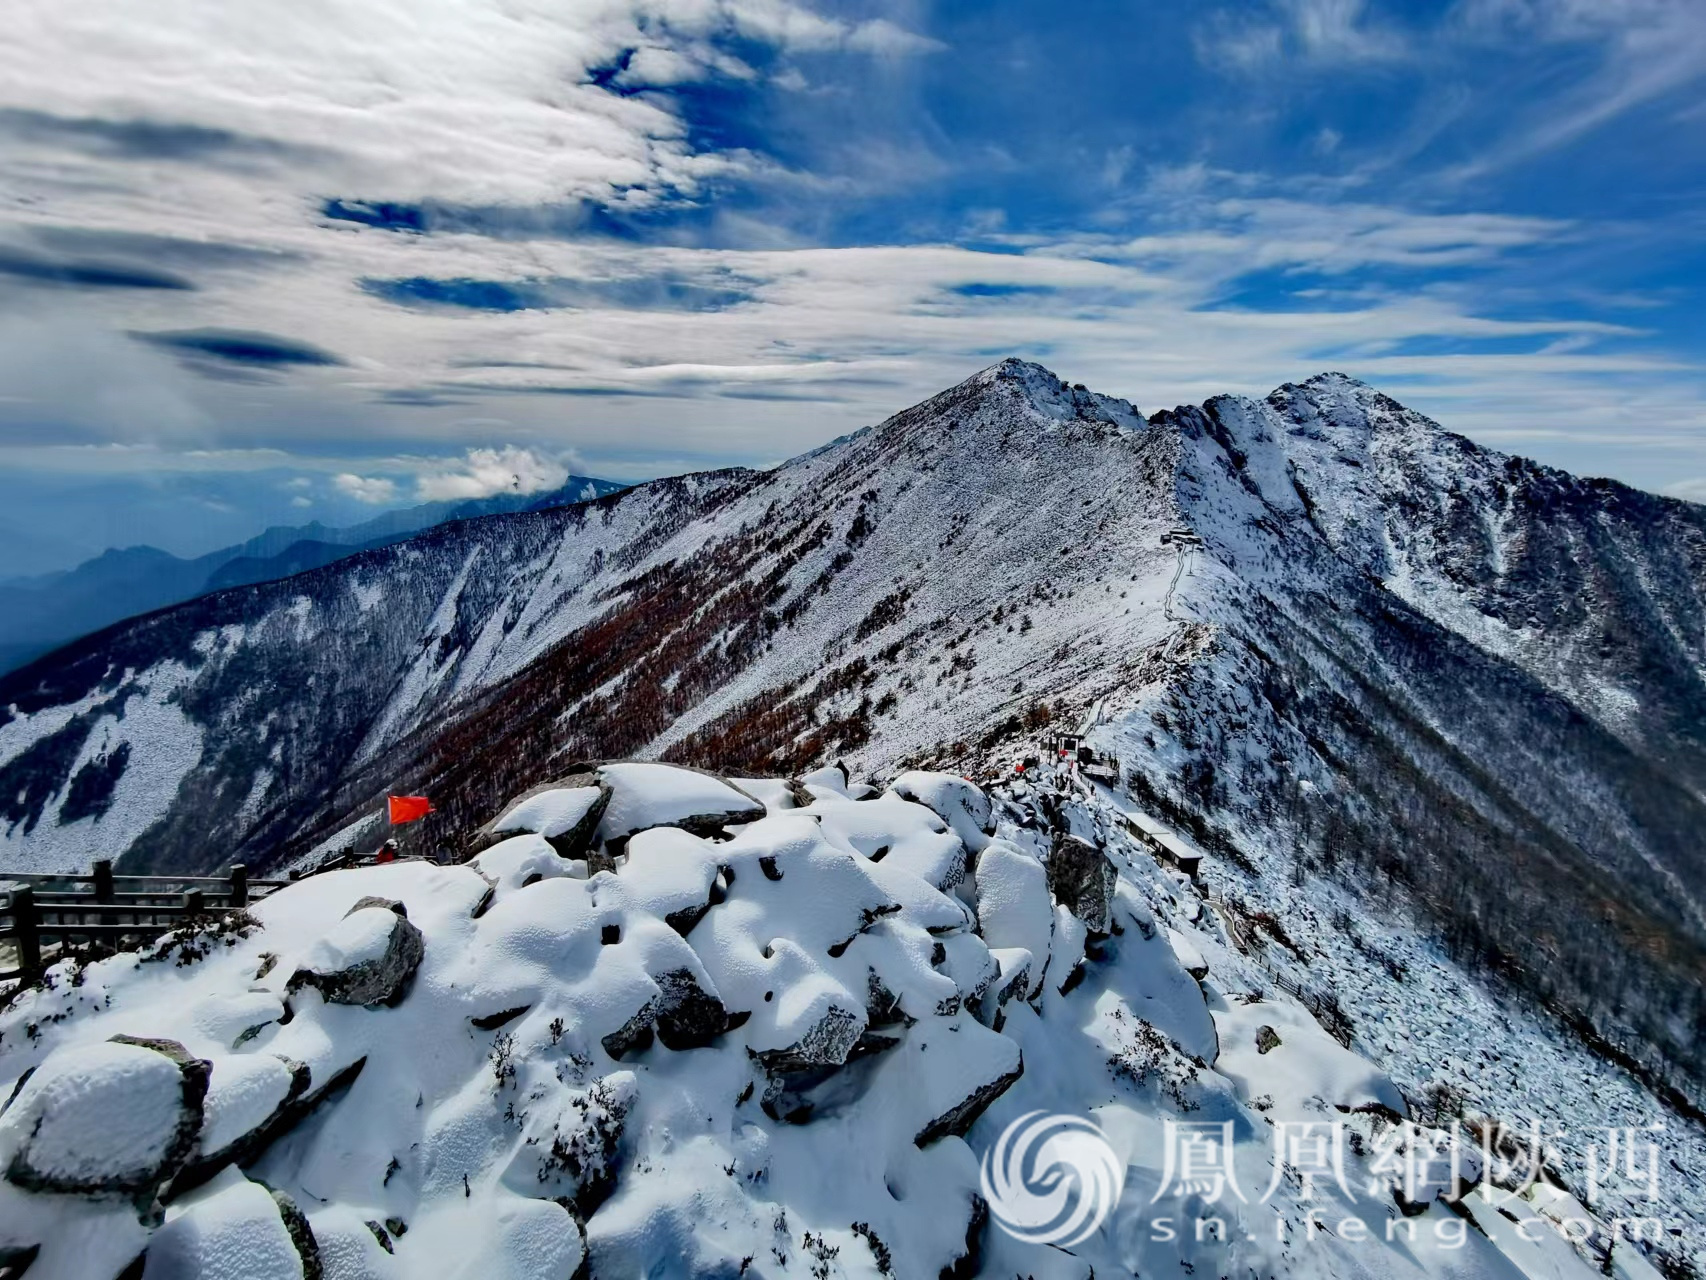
378,490
463,101
1327,32
226,125
485,472
880,36
1692,490
1643,51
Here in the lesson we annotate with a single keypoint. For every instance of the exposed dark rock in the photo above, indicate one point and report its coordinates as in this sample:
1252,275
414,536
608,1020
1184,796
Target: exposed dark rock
688,1016
684,920
634,1035
882,1006
492,1021
301,1235
806,1076
1081,878
1266,1039
384,980
970,1262
827,1043
959,1117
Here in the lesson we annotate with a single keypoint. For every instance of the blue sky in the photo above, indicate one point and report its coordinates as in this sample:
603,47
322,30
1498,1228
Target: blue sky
261,265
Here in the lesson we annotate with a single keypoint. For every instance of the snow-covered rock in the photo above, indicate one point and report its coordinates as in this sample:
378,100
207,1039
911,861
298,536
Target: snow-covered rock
956,801
114,1118
1013,908
232,1229
801,1082
1280,1054
248,1099
565,813
368,958
667,795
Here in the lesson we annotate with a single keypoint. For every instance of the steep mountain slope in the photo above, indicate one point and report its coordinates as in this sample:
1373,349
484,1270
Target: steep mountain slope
1464,681
1476,678
40,613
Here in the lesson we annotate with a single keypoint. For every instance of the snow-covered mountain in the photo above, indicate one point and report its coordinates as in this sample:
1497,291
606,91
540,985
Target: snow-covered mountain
827,1032
38,614
1327,640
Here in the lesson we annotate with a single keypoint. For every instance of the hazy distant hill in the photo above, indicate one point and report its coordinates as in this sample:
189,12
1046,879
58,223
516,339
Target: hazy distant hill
39,614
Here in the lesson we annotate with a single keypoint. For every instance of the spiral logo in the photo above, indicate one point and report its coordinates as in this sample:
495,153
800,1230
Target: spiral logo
1051,1179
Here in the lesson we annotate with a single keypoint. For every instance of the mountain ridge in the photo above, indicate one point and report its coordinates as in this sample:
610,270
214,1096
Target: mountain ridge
1396,657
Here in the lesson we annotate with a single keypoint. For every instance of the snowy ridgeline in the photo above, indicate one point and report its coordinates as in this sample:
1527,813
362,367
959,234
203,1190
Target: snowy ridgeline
667,1024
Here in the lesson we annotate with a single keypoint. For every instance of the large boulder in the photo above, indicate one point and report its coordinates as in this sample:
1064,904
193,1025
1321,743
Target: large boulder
961,805
234,1228
646,795
1083,880
369,958
250,1097
964,1071
114,1118
1013,907
566,813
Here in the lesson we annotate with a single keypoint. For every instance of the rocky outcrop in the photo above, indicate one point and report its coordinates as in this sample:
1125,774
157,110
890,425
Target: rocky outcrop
369,959
957,802
566,813
118,1118
1082,879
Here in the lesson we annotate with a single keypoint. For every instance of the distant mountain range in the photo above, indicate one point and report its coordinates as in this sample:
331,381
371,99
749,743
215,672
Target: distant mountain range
38,614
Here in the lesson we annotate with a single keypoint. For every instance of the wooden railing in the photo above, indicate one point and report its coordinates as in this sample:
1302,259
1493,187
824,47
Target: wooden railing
44,913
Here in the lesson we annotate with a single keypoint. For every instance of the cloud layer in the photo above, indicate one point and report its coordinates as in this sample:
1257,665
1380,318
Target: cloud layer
420,250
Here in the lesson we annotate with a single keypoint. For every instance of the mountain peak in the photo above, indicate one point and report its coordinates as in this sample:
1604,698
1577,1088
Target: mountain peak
1052,400
1333,378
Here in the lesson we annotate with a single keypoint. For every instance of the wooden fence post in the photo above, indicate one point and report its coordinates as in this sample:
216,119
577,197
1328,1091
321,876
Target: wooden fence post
27,926
104,880
239,885
194,903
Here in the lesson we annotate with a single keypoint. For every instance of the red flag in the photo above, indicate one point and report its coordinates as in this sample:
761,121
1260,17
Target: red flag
408,808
